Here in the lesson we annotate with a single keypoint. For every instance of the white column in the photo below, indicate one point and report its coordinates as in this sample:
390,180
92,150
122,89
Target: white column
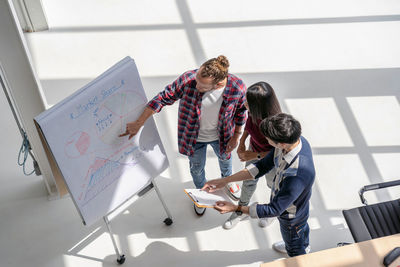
31,15
24,85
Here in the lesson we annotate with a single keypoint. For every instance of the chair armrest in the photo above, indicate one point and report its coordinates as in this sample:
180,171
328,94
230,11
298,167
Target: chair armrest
374,187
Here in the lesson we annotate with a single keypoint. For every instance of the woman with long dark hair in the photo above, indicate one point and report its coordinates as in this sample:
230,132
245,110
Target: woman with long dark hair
261,103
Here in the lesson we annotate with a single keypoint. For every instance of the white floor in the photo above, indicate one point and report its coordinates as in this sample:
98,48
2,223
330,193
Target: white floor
335,65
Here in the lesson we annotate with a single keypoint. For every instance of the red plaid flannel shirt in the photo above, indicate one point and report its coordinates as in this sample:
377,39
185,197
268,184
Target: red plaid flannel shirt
231,113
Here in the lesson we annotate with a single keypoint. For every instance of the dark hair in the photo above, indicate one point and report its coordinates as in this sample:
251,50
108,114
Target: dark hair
262,101
216,68
281,128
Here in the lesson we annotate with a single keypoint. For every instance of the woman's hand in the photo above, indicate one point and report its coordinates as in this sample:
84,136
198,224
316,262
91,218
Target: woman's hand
247,155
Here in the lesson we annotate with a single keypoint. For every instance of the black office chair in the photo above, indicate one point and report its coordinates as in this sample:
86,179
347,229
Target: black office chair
376,220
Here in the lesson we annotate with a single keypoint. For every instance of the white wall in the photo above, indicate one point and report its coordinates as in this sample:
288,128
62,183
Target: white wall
23,84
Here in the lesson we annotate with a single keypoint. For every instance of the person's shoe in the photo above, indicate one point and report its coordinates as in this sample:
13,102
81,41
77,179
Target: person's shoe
199,211
233,220
233,191
280,247
264,222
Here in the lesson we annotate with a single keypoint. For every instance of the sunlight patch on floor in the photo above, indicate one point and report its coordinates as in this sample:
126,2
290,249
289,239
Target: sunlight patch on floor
379,119
339,178
389,171
323,114
261,10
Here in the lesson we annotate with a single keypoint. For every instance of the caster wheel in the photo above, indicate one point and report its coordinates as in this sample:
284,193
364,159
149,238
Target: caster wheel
168,221
121,260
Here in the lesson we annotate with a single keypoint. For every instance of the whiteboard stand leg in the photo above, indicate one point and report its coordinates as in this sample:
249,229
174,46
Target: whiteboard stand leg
120,258
168,221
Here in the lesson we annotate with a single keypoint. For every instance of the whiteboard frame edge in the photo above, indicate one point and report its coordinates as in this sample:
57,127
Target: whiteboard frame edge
62,176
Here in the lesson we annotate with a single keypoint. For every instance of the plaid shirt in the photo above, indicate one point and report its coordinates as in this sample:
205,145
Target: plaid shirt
231,113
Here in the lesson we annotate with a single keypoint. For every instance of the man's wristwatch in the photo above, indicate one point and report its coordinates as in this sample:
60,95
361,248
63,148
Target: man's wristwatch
258,156
239,210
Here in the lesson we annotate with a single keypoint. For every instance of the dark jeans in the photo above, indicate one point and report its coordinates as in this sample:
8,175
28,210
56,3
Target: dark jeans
295,236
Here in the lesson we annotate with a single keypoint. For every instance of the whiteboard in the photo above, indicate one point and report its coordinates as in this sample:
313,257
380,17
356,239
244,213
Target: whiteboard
100,169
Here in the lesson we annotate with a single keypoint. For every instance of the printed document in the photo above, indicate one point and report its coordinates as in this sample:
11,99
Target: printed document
203,199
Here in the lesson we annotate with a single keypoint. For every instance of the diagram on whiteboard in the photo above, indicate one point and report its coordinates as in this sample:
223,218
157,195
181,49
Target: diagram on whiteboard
100,168
108,121
110,116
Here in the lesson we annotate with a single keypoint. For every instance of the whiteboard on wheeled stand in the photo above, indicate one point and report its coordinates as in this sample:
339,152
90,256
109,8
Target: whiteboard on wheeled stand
100,169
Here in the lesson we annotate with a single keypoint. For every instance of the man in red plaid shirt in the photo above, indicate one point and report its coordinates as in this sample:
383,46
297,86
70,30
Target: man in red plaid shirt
211,112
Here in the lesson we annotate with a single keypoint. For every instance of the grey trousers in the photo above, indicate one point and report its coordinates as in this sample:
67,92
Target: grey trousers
249,186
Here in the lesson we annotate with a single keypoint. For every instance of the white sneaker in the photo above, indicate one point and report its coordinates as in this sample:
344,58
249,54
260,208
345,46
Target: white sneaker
280,247
264,222
233,220
233,190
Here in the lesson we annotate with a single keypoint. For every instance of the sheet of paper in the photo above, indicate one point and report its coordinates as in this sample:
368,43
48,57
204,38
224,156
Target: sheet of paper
204,199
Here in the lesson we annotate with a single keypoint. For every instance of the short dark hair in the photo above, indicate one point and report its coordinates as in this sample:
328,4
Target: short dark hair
262,101
281,128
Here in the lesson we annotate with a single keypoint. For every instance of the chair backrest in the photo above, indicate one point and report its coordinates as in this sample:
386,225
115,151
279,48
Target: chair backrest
373,221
